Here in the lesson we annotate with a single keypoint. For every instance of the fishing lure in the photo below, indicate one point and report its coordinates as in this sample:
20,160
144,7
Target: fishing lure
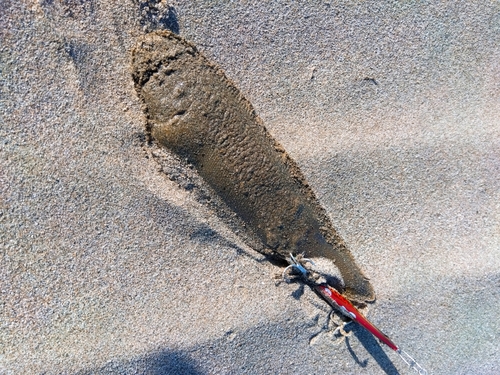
346,308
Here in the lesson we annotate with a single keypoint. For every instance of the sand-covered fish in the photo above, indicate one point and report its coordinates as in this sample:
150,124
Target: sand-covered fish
194,110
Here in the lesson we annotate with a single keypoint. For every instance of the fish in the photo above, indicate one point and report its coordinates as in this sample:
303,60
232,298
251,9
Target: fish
194,110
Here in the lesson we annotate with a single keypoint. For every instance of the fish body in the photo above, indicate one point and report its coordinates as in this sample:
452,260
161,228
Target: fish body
194,110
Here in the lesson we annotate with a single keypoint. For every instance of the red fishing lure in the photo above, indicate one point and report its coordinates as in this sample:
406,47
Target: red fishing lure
342,304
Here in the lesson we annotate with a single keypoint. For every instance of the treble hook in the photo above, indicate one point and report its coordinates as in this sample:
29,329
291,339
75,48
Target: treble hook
296,264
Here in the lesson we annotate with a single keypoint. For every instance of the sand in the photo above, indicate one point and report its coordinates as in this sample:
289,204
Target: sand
112,264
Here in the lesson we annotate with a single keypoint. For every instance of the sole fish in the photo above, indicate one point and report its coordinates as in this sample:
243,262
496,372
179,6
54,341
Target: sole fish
194,110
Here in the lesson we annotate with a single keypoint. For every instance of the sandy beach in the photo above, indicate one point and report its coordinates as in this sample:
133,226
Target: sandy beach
114,263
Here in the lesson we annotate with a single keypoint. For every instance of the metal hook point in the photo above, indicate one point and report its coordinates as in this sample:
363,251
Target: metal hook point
294,265
287,280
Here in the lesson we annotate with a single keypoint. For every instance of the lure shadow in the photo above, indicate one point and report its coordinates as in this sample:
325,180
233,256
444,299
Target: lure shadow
353,354
298,292
373,347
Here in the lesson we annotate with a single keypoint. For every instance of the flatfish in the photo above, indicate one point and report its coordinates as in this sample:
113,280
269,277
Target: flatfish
195,111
